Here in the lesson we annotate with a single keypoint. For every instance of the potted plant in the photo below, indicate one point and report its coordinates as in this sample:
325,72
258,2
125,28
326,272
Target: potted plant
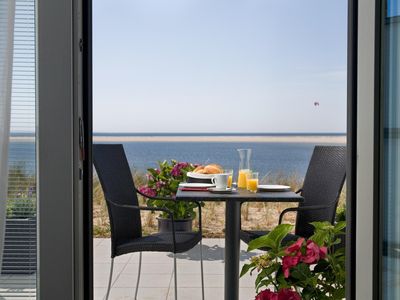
164,182
306,269
19,255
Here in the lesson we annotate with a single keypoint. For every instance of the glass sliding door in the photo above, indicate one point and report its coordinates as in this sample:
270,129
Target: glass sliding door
18,224
390,85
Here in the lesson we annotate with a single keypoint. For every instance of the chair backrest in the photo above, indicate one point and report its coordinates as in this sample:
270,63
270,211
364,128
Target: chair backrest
116,180
322,185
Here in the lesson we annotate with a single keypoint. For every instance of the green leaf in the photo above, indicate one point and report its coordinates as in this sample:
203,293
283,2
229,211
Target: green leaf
272,269
150,170
266,283
246,268
307,293
319,237
301,272
272,240
322,225
340,226
260,277
322,266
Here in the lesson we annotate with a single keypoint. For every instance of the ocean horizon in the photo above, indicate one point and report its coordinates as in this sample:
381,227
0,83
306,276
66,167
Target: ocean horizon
273,153
219,134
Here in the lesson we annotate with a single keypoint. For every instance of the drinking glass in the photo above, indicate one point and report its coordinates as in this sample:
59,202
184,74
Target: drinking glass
230,173
252,182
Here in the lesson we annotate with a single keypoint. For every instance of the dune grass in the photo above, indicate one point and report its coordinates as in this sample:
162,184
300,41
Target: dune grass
254,215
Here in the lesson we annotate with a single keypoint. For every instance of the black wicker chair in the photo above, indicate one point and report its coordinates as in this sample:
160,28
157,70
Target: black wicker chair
321,190
124,213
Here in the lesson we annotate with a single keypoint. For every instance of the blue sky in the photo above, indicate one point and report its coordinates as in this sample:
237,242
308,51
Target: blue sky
220,65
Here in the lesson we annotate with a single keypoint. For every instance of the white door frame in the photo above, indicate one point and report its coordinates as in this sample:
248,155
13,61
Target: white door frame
366,188
59,94
59,163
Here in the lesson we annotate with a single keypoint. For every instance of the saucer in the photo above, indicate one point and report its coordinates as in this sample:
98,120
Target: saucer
222,191
196,185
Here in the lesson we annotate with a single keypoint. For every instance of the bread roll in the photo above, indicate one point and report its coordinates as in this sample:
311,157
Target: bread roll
209,169
198,169
212,169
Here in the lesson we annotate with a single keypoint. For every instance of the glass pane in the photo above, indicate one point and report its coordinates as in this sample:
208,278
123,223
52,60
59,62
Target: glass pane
19,235
391,173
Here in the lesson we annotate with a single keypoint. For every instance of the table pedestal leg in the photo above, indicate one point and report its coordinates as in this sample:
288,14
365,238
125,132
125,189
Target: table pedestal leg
232,249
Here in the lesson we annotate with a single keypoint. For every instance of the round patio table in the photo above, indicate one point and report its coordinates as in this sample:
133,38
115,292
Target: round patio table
232,226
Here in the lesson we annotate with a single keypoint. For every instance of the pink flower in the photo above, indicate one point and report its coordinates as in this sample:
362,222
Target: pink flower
176,170
312,253
288,294
323,251
148,191
289,262
160,184
294,247
267,295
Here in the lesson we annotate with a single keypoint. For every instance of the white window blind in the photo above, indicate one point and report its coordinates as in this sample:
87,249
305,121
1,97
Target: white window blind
18,270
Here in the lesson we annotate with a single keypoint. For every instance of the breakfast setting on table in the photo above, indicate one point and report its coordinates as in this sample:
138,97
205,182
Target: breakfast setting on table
214,183
213,178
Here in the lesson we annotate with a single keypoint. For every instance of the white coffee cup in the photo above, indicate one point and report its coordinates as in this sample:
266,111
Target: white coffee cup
220,181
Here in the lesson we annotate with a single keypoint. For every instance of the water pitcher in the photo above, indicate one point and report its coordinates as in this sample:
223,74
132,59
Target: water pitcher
244,167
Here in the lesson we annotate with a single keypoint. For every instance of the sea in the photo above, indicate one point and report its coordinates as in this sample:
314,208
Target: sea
273,158
283,158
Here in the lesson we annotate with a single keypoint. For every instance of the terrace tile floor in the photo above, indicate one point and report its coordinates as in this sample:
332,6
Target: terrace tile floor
157,281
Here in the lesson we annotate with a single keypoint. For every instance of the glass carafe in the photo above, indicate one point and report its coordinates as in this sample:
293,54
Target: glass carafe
244,167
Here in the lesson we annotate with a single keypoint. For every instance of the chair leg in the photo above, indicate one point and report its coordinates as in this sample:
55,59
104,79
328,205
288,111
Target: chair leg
138,277
202,272
175,278
110,279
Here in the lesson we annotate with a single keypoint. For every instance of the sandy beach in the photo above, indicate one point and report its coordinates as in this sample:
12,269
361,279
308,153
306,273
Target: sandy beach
317,139
313,139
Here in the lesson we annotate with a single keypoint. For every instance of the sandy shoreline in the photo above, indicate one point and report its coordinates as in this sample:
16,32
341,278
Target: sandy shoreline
317,139
233,139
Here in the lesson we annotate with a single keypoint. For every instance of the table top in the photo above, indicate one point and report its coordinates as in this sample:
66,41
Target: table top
240,195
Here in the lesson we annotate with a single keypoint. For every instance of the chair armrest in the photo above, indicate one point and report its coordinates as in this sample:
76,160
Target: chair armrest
302,208
135,207
173,199
299,191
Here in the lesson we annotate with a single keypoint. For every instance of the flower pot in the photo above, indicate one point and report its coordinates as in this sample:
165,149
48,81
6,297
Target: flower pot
19,256
165,225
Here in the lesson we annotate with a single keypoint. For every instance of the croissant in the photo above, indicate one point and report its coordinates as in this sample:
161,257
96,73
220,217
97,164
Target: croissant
209,169
198,169
212,169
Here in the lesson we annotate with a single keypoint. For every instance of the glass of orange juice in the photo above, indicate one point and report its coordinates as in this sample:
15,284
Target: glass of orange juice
252,182
230,178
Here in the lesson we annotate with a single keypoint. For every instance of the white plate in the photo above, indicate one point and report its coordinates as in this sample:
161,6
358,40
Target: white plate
221,191
196,185
274,188
200,176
